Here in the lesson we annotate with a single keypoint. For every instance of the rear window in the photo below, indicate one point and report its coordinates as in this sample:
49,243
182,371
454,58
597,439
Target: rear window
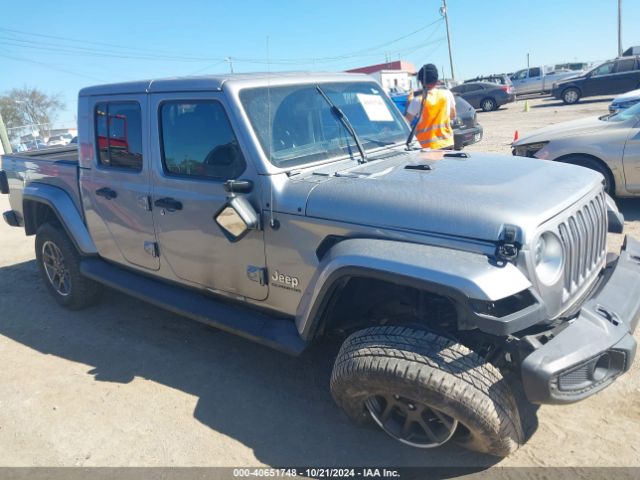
626,65
119,135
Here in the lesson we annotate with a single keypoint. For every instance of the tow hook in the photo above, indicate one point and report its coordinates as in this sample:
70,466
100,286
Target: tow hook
508,244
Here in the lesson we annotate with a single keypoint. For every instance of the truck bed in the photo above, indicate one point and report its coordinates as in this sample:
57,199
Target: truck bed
52,166
66,153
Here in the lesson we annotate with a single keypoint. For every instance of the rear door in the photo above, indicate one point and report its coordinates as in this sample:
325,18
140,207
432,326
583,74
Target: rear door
196,150
626,75
116,188
600,81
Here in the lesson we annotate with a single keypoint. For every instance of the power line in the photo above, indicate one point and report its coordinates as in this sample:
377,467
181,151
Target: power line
52,67
66,49
156,55
84,42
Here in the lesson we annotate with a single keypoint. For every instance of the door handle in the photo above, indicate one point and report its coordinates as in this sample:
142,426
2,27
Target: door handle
107,193
170,204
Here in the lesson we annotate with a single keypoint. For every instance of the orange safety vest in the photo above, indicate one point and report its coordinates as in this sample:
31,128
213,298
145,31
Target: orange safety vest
434,127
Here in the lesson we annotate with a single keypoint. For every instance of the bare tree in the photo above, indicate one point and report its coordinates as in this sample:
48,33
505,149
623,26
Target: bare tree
30,106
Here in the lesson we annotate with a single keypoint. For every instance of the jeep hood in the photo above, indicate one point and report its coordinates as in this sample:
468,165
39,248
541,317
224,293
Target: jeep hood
572,128
466,197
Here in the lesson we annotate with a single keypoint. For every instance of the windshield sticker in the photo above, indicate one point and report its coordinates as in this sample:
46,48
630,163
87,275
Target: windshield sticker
375,108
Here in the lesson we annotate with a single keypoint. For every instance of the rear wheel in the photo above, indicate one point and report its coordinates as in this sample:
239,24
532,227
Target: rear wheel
488,105
59,264
423,390
571,96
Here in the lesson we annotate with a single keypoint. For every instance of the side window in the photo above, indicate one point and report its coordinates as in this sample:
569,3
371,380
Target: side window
534,72
198,141
521,75
459,89
625,65
603,69
119,134
474,88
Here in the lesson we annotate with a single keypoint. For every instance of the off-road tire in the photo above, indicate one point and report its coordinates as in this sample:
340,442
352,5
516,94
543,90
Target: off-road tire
488,105
83,292
433,370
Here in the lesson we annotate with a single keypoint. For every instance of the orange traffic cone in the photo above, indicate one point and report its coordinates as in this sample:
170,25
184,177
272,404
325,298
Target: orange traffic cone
516,136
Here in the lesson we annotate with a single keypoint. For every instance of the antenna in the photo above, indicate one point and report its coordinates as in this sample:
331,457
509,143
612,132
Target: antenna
272,221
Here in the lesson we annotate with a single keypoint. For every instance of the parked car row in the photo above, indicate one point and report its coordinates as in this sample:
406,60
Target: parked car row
38,144
612,77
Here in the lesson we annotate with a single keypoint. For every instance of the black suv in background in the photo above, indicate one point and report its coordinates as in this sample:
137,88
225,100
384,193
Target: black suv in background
610,78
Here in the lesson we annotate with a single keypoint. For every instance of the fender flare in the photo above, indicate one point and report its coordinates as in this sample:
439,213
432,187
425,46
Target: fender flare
460,275
64,208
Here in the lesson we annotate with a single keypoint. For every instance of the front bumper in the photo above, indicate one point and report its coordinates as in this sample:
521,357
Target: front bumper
586,354
464,136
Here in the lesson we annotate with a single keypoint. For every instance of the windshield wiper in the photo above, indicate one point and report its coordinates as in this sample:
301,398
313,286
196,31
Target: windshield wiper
345,121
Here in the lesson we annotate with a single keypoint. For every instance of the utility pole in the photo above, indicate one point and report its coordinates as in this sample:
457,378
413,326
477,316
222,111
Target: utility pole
445,14
619,28
527,61
230,61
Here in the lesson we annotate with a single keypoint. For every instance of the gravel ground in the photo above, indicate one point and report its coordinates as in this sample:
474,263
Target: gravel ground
125,384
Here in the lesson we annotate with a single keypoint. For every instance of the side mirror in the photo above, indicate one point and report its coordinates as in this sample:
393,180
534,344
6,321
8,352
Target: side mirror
237,218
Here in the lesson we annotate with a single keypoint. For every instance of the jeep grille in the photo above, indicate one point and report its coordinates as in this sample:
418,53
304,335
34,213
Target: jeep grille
584,238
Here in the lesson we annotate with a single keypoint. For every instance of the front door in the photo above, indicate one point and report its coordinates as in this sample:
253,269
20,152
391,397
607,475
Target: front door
599,83
519,80
116,188
196,153
631,159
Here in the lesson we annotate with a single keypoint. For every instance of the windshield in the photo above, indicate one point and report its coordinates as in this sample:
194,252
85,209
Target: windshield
305,130
623,115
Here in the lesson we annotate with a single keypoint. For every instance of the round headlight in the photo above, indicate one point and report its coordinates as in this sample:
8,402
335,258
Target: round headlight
548,258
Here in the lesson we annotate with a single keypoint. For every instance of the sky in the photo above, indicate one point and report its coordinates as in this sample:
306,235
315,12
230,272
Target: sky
60,47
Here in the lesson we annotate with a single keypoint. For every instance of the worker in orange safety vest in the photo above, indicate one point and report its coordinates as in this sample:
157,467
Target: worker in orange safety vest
436,111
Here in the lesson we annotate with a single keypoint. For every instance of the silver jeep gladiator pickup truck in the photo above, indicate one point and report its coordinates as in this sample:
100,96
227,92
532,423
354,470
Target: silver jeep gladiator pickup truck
289,207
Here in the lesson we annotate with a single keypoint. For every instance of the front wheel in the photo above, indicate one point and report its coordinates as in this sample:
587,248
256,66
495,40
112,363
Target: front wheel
424,390
488,105
59,264
571,96
596,165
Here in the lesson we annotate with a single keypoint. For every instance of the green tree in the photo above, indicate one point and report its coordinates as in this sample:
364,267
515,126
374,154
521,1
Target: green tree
30,106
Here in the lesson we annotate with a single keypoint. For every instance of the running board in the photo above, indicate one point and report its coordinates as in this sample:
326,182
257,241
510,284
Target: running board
275,332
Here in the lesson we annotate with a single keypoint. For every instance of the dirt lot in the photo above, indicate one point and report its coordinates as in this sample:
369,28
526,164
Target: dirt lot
127,384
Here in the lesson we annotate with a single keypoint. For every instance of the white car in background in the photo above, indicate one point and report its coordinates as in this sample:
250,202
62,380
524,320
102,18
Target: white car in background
609,144
59,140
624,101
